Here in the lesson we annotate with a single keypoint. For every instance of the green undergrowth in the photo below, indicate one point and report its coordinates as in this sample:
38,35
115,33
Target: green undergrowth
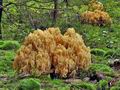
6,60
7,53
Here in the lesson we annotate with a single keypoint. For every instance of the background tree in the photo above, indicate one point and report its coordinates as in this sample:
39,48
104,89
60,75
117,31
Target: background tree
1,8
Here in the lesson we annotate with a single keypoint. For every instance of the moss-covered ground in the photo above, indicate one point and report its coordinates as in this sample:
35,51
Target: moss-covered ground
101,60
102,75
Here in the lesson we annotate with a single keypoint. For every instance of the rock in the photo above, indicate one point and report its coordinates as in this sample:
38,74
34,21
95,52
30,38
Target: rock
115,64
97,76
86,79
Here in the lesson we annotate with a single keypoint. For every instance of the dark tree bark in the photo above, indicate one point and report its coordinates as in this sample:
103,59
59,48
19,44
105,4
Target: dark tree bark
1,8
55,12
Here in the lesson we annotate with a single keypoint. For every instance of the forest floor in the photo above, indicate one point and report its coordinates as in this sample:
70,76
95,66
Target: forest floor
104,73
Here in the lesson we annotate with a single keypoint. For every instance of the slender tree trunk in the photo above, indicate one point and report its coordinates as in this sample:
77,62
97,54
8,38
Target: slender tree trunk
1,8
55,12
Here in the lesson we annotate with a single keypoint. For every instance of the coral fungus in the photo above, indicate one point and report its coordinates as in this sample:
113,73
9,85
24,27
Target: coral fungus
48,51
95,5
97,17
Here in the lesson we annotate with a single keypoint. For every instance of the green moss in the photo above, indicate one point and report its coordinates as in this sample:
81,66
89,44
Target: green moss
103,84
99,59
57,88
115,88
113,53
101,68
86,86
108,78
8,45
6,58
4,89
1,83
29,84
1,42
98,52
2,66
9,55
56,82
118,83
64,88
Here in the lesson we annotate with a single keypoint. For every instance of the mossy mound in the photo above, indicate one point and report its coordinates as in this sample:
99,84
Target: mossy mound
102,68
9,45
98,52
29,84
103,85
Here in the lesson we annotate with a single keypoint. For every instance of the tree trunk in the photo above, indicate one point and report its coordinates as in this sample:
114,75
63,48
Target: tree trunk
55,12
1,8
